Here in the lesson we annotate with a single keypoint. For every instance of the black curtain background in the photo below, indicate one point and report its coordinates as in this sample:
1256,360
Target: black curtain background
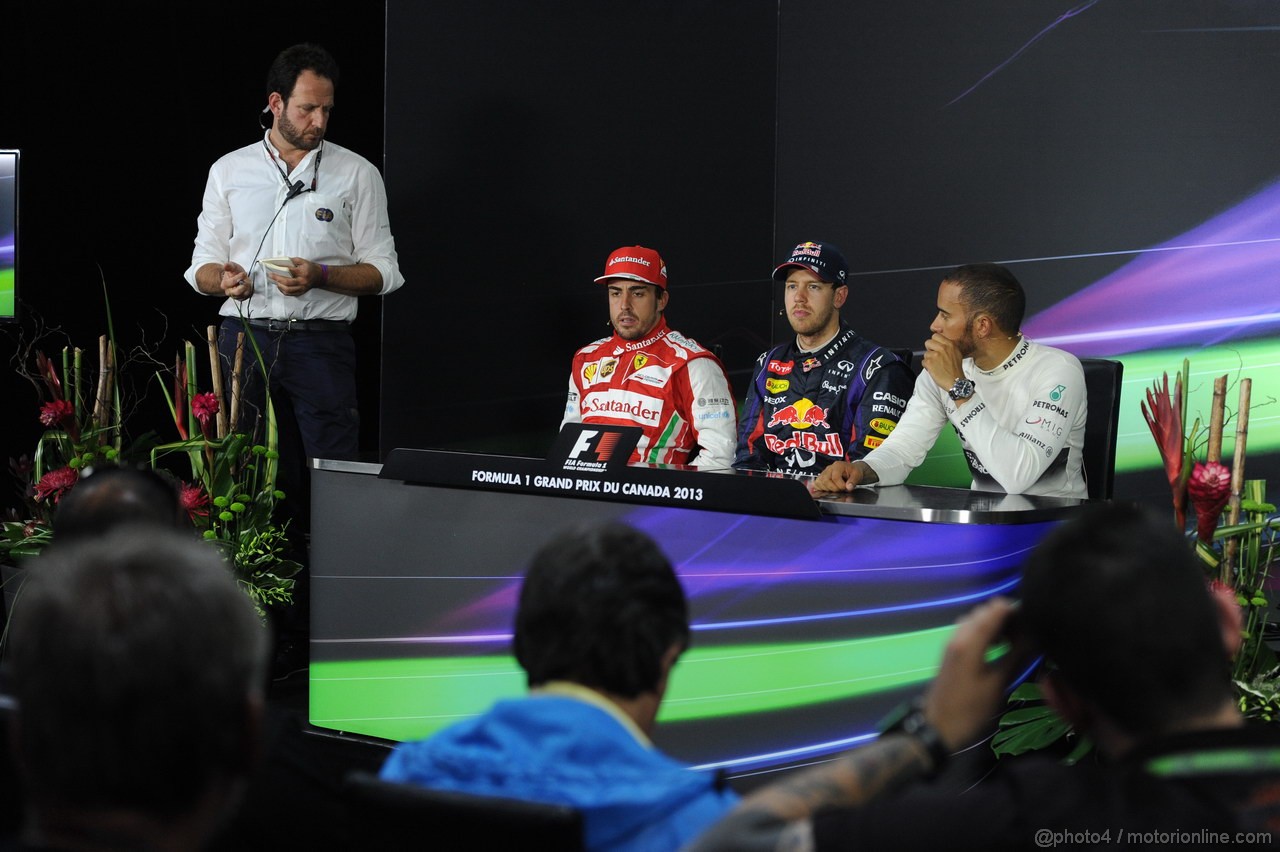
529,140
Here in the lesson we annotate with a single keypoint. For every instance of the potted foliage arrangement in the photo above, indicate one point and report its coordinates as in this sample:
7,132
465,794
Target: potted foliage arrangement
227,479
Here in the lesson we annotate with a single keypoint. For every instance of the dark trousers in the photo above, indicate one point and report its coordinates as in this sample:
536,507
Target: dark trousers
312,375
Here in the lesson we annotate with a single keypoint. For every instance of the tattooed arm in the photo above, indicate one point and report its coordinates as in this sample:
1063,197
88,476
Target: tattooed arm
777,817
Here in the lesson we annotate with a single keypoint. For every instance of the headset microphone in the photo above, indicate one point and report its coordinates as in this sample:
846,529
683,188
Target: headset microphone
295,190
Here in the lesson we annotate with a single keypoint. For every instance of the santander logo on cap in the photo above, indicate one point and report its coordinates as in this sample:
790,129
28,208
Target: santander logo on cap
638,264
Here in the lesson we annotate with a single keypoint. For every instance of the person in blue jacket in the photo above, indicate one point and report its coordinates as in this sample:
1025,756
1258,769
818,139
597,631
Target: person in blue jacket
601,621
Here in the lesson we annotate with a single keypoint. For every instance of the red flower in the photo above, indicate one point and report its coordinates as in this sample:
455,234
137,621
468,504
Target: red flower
55,483
54,413
1210,489
194,500
180,399
204,406
1163,414
49,374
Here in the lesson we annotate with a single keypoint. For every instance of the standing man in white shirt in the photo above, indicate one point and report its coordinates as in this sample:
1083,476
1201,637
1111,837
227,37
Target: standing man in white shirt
1018,407
318,211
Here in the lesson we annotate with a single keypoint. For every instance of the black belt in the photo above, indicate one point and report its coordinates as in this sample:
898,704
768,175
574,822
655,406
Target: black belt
300,325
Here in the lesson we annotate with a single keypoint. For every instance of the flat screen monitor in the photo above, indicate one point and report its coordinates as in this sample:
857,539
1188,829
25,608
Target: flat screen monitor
8,235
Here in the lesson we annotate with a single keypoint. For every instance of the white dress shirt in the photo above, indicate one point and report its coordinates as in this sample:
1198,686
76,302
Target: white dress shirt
343,221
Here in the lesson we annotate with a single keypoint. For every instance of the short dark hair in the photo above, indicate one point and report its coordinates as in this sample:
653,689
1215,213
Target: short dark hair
989,288
1118,603
600,606
292,61
108,497
134,659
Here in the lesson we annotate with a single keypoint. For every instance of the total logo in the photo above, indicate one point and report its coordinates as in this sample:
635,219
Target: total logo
781,368
802,415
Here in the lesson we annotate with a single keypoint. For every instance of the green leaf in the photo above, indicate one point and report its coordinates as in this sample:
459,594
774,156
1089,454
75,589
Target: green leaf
1083,747
1026,714
1029,737
1027,691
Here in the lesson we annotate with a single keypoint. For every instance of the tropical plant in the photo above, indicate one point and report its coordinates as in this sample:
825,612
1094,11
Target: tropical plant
231,494
228,480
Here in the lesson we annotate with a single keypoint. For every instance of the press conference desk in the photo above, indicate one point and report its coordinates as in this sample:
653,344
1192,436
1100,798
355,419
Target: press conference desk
812,617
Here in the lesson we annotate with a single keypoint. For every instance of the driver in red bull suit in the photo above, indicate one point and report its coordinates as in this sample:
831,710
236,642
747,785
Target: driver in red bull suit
829,394
646,374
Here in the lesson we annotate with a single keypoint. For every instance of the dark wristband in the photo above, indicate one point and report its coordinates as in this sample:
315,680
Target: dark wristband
909,719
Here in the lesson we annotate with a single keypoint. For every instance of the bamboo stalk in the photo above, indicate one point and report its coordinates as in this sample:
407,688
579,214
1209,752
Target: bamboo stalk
1237,476
97,389
1216,418
104,384
237,373
193,382
65,374
77,397
112,401
215,373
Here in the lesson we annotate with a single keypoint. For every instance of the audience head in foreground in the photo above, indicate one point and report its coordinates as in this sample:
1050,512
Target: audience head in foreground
108,497
138,669
1137,651
600,623
602,607
1136,644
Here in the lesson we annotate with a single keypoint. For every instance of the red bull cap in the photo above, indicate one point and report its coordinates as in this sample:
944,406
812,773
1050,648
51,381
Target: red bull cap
638,264
822,259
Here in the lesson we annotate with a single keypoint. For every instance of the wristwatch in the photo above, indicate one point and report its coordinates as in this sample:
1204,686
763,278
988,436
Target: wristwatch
908,718
962,389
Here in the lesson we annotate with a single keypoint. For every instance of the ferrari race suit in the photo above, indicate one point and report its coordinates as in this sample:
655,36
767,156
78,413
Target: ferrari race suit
1022,431
666,384
805,410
